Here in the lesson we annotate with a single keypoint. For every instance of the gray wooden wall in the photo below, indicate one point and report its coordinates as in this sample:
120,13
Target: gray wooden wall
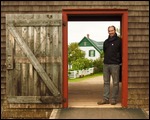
138,39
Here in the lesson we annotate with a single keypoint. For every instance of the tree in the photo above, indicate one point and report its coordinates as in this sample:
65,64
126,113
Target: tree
74,52
98,63
118,32
82,63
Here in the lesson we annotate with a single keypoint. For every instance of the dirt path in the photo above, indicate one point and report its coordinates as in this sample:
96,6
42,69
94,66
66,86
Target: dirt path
87,92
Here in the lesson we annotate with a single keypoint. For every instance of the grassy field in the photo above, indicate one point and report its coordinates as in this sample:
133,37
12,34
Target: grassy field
85,77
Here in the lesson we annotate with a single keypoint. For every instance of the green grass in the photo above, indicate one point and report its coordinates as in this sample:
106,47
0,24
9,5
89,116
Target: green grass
85,77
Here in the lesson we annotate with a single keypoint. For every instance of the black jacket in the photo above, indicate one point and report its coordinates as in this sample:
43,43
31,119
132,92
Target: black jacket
112,50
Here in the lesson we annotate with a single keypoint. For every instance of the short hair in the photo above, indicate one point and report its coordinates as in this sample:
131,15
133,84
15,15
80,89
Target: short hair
113,27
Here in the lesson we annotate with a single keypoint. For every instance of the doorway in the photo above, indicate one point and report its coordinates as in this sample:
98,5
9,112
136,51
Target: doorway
95,15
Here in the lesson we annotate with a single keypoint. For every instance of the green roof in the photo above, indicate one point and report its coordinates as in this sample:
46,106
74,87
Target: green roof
97,45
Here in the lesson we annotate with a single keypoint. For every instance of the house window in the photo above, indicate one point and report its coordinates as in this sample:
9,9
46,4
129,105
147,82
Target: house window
84,43
91,53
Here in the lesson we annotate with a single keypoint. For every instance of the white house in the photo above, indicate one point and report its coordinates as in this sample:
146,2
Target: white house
91,47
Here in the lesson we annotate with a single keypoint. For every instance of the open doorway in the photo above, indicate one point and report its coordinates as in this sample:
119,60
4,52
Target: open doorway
85,81
95,15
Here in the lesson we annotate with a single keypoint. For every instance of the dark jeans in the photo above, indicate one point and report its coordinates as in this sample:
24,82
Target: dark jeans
108,71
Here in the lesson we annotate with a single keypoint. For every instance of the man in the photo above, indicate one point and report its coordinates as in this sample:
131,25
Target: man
112,48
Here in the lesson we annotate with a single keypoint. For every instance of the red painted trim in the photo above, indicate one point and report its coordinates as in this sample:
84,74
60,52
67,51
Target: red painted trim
65,60
124,59
121,12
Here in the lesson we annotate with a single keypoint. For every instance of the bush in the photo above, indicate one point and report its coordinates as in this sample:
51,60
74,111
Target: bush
81,63
98,65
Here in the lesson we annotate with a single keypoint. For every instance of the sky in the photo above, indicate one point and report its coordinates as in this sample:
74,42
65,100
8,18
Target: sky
97,30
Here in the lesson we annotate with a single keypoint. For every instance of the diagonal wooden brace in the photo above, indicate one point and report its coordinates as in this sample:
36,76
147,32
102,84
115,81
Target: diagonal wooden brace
34,61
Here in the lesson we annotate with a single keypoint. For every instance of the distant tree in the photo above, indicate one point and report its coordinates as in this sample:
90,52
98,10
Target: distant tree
98,63
118,32
74,52
101,54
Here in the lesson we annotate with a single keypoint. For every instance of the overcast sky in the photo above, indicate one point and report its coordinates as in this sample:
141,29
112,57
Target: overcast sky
96,30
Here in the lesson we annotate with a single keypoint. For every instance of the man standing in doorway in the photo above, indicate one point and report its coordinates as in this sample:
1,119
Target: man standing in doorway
112,48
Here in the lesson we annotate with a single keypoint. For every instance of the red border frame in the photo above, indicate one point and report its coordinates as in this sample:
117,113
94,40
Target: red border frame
124,14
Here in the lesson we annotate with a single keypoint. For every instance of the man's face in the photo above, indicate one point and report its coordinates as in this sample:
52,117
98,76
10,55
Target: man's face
111,31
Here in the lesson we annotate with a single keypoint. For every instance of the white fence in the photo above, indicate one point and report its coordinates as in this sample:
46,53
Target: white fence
80,73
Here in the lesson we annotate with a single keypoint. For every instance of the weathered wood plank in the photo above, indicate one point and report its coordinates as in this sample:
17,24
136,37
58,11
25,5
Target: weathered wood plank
139,74
10,52
30,81
138,13
138,56
138,19
3,44
58,8
24,79
137,96
18,51
43,3
36,23
30,42
34,61
9,83
143,32
138,68
3,62
3,26
3,20
36,45
9,74
59,65
18,71
138,50
138,85
130,13
34,105
24,70
52,19
139,105
34,99
138,44
139,91
3,68
55,42
3,32
3,74
27,113
36,85
3,85
3,39
49,52
138,62
3,51
3,91
140,25
136,38
24,99
55,54
138,80
4,13
40,59
42,53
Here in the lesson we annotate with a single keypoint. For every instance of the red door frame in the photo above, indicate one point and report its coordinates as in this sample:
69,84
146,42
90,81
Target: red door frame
124,15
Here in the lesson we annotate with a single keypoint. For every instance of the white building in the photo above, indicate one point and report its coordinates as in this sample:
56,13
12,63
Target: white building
91,47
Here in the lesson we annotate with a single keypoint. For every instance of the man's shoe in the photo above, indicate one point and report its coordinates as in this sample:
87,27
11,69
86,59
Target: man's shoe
103,102
113,102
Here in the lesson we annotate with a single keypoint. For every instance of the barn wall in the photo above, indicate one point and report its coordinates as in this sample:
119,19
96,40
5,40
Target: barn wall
138,41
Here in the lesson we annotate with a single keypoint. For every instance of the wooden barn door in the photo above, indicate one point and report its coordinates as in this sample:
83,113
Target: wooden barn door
34,58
